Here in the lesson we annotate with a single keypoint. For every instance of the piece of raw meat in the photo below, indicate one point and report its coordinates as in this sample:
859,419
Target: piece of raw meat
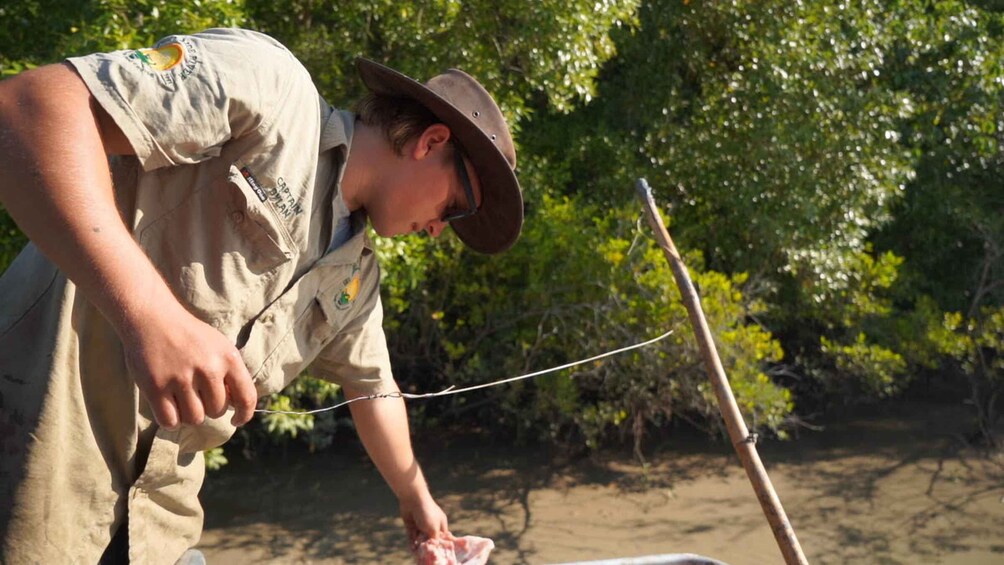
450,550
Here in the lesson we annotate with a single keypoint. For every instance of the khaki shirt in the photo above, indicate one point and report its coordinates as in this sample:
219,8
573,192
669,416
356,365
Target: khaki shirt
230,195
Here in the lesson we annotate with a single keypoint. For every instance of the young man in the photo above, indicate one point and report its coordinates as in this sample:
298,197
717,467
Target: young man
197,217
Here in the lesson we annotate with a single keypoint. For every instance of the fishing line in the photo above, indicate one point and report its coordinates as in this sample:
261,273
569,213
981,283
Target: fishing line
454,390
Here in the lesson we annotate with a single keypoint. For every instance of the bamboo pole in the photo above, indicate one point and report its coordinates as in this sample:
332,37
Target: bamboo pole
744,443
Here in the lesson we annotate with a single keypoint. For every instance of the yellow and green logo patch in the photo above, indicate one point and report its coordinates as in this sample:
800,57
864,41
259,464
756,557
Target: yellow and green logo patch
162,58
350,291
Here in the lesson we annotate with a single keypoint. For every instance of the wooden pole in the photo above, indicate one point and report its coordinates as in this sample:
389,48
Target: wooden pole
744,443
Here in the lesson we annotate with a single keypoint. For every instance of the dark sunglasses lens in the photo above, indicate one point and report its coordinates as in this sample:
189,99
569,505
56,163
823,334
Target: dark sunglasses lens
465,180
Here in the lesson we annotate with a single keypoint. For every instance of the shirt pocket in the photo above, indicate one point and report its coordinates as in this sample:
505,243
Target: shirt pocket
286,336
219,246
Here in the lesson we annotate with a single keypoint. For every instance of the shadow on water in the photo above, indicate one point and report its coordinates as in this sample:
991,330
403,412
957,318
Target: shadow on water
885,484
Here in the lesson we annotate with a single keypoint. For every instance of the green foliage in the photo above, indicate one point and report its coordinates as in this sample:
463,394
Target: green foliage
11,239
764,123
977,344
316,431
215,459
35,32
519,50
862,294
872,366
852,345
947,60
582,281
847,156
833,172
988,343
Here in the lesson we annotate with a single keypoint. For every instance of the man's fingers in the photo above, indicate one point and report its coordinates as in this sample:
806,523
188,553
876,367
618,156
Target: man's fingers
438,530
164,411
193,375
412,529
213,394
243,396
190,406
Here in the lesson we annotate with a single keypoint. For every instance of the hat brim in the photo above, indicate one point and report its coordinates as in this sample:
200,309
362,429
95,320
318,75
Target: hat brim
497,224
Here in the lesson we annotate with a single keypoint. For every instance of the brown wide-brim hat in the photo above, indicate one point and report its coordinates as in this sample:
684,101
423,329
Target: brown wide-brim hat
477,124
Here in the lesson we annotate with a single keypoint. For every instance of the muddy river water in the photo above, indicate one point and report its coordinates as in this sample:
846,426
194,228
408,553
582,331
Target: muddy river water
888,484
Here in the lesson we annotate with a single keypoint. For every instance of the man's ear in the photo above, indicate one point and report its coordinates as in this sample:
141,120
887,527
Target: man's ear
431,140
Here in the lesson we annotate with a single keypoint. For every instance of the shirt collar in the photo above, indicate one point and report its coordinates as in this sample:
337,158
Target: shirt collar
356,246
336,135
337,129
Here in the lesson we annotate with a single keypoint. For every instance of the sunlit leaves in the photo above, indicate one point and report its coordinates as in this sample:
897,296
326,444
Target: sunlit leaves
520,51
46,31
581,281
875,367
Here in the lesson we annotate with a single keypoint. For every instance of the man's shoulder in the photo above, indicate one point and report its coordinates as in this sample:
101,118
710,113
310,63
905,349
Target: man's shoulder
263,60
255,48
243,34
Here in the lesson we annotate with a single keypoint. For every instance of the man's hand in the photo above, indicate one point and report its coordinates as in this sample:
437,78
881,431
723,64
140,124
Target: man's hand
187,370
423,516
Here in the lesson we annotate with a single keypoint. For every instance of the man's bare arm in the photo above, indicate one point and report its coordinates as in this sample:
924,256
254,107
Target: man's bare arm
54,142
382,425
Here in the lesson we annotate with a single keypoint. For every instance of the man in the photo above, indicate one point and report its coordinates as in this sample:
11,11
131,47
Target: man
197,217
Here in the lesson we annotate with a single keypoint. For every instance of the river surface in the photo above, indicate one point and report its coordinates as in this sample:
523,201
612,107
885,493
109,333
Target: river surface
892,484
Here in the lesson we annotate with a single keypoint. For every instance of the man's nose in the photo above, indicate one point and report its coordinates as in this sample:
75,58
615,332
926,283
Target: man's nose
435,228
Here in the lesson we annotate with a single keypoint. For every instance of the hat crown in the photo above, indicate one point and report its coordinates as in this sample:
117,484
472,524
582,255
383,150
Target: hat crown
467,95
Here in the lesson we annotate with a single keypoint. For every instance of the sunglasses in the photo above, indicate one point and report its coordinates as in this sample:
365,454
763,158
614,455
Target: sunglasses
458,161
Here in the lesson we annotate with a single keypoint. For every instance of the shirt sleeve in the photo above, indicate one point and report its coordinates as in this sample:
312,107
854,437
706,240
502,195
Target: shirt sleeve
358,355
180,100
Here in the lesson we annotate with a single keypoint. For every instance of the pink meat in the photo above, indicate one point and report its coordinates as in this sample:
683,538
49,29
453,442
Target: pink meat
466,550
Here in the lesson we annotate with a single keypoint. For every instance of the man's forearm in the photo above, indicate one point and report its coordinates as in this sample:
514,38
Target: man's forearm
382,425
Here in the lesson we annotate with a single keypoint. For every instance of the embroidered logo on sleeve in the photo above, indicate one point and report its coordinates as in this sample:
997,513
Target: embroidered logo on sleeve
162,58
170,61
351,290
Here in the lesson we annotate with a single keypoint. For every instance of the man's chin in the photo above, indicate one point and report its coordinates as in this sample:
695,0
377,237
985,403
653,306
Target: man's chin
383,231
391,231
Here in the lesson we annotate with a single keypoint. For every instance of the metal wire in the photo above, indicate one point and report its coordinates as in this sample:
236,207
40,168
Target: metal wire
454,390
